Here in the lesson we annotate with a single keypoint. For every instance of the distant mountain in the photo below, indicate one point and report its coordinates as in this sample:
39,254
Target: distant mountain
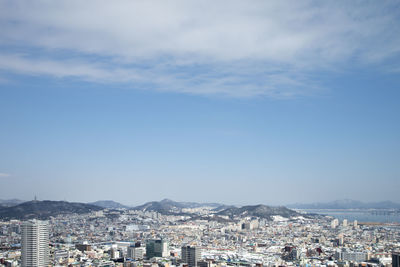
192,205
167,206
45,209
347,204
261,211
10,202
109,204
223,207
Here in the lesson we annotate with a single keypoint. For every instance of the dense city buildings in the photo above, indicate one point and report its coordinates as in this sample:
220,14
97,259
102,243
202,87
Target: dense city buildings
201,237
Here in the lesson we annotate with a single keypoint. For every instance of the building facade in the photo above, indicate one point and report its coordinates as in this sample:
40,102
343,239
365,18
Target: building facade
35,243
156,248
135,253
396,259
191,255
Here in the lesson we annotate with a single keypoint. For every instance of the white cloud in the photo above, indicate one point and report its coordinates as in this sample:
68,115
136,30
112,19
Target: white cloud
4,174
201,47
246,81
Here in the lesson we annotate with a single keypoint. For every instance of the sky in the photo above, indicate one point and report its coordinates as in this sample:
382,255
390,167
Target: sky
271,102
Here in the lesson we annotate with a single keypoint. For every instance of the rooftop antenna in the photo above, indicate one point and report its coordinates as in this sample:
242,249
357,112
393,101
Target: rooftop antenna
35,198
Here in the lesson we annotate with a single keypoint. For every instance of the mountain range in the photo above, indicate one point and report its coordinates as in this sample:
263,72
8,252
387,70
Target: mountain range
167,206
347,204
14,209
45,209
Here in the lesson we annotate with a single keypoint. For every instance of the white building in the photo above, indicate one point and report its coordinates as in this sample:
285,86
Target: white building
334,223
135,253
35,243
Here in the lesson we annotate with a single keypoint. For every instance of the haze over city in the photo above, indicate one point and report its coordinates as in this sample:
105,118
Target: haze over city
228,102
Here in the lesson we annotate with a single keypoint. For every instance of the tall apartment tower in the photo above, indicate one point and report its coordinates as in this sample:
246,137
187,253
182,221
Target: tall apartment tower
191,255
396,259
35,243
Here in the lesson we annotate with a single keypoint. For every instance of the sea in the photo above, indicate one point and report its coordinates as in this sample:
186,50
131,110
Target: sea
378,216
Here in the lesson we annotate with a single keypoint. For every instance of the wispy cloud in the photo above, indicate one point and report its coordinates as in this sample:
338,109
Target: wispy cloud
4,174
225,47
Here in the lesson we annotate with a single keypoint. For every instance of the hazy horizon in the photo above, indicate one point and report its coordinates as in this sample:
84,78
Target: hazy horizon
218,202
272,103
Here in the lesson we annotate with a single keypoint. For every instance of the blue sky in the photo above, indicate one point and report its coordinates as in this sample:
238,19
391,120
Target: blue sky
271,103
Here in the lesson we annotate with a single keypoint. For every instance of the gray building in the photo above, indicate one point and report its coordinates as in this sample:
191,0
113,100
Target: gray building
191,255
396,259
35,244
135,253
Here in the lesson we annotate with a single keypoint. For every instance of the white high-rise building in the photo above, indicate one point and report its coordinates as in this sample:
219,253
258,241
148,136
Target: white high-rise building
35,244
334,223
135,253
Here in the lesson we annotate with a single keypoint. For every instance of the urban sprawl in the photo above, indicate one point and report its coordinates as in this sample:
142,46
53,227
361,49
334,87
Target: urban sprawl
134,238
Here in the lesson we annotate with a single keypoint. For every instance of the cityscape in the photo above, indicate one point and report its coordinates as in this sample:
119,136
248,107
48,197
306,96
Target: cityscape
168,233
208,133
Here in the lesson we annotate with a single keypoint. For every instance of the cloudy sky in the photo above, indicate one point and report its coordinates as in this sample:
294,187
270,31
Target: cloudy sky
269,102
